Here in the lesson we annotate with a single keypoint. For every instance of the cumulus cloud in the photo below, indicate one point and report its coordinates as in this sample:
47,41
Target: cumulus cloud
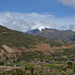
28,21
68,2
24,21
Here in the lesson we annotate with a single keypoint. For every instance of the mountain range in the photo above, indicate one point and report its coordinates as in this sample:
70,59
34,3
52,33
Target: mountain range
65,35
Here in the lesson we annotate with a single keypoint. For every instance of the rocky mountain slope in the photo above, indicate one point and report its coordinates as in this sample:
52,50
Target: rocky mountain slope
67,35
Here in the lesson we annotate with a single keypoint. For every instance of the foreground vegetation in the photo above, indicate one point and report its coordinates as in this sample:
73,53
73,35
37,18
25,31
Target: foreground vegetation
39,68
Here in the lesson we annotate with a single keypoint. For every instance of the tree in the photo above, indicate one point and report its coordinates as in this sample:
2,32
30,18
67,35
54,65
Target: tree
69,64
32,70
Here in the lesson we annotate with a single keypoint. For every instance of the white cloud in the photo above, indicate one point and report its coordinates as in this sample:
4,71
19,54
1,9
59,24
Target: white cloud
27,21
23,21
68,2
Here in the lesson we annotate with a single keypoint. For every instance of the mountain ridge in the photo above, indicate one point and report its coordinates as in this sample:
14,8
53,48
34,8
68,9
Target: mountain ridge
67,35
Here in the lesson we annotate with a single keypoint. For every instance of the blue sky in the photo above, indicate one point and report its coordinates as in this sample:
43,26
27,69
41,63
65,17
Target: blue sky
37,13
53,7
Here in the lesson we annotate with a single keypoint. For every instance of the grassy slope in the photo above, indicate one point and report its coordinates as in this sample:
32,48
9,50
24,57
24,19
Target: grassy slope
18,39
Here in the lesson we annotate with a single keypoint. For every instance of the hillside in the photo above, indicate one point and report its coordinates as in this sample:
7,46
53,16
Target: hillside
67,35
18,45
